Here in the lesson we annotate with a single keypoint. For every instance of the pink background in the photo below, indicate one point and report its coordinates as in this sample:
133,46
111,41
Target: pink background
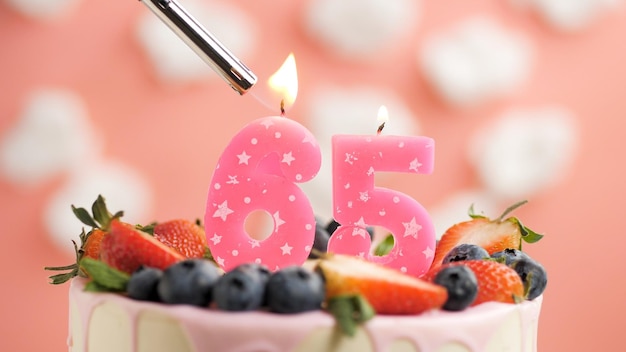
174,136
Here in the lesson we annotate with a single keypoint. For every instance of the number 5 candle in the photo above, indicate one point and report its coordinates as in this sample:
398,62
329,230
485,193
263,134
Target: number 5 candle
259,170
358,203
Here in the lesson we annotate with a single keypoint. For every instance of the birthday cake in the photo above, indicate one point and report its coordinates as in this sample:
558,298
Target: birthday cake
157,288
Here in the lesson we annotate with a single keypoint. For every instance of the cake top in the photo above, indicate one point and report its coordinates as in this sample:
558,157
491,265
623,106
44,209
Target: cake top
476,261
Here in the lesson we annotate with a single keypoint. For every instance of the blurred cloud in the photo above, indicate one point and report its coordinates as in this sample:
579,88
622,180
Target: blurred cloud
524,150
122,186
476,60
360,29
455,208
43,9
174,61
569,15
52,135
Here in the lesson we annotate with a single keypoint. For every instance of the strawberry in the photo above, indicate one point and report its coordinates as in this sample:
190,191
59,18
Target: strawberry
90,242
184,236
493,235
125,248
496,281
388,291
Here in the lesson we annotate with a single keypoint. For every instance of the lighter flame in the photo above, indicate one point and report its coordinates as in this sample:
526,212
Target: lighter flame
284,82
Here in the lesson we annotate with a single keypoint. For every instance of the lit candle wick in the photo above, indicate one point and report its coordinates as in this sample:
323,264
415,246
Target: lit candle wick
380,128
282,107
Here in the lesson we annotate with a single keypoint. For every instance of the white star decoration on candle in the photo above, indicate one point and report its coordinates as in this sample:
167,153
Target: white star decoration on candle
350,158
414,165
232,180
288,158
428,252
277,221
286,249
411,228
220,261
254,243
216,238
222,211
243,158
364,196
267,123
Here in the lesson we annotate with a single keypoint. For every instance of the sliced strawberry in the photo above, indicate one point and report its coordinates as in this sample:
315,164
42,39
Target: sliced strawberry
388,291
496,282
126,248
99,221
493,235
186,237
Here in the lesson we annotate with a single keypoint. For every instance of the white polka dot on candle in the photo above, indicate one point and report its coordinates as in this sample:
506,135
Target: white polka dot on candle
217,186
246,200
235,253
298,177
254,141
277,135
396,199
308,226
292,198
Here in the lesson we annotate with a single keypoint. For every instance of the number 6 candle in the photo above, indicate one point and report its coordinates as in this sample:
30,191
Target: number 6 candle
259,170
358,203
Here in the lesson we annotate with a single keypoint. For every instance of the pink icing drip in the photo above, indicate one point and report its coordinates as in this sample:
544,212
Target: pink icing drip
222,331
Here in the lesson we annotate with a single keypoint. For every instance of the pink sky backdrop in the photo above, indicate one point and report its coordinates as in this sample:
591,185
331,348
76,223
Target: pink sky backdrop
171,135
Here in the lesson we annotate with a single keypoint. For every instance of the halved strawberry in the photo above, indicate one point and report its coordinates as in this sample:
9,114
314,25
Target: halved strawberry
387,290
99,221
493,235
184,236
125,248
496,281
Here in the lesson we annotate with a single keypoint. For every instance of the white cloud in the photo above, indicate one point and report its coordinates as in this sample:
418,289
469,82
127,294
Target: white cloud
524,151
360,29
354,110
176,62
53,134
122,187
569,15
476,60
454,209
44,9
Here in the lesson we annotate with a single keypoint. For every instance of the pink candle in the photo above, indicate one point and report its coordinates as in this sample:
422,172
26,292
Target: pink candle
358,203
259,170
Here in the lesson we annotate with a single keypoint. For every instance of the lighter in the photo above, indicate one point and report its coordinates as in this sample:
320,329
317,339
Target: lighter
214,53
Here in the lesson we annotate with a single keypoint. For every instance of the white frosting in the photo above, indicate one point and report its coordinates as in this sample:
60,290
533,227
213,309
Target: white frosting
110,322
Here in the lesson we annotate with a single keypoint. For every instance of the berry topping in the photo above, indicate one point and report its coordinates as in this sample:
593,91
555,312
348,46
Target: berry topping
143,283
186,237
320,242
465,251
510,255
461,284
90,242
242,288
188,282
492,235
496,282
294,289
533,276
387,290
126,248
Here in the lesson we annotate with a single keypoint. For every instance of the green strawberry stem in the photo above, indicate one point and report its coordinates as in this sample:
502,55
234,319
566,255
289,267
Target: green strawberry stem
510,209
99,219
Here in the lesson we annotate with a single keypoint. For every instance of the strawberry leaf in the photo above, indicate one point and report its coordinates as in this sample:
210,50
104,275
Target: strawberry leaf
104,276
350,311
385,246
528,235
472,214
83,215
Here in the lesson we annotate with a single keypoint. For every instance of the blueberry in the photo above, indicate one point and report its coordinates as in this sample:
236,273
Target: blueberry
188,282
465,251
242,288
461,284
320,242
510,255
143,283
333,225
533,276
295,289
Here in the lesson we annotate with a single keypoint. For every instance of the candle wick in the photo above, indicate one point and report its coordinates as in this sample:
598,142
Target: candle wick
380,128
282,107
